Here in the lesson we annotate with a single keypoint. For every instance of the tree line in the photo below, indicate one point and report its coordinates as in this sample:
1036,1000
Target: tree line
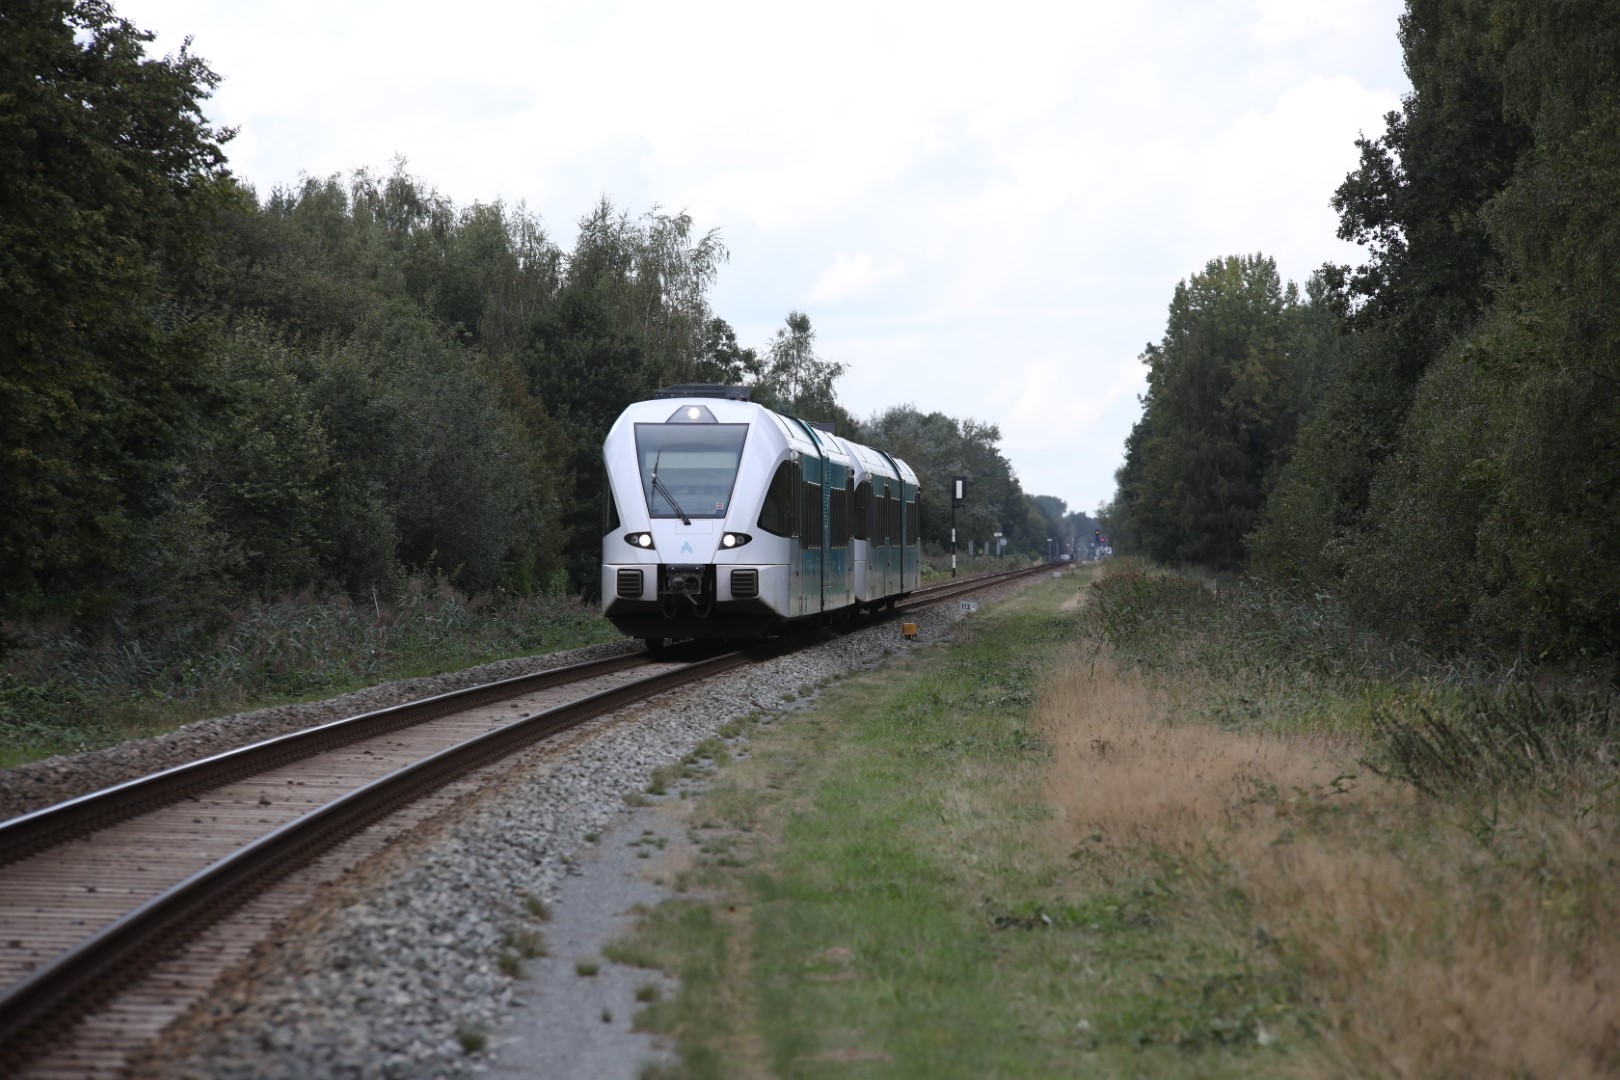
1434,435
207,395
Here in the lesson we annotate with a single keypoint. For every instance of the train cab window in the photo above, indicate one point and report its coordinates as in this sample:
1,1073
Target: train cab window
862,516
694,466
776,516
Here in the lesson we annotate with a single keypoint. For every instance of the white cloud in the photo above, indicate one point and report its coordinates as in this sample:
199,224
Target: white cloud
1048,405
961,196
852,276
1280,23
1265,183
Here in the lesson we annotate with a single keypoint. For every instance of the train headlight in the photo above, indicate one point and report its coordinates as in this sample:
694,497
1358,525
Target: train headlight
640,540
734,540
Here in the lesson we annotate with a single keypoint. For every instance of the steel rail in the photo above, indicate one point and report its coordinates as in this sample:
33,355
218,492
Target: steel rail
951,589
29,833
55,995
48,826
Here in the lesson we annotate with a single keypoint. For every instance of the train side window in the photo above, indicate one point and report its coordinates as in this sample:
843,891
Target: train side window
846,499
840,518
863,510
776,515
811,535
610,508
912,523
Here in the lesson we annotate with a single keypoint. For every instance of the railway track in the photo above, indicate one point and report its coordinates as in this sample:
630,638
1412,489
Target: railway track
122,907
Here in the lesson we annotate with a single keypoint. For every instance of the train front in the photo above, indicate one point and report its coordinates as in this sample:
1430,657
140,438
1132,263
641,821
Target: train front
683,551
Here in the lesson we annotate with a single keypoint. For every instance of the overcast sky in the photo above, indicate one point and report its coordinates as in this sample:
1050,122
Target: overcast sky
984,209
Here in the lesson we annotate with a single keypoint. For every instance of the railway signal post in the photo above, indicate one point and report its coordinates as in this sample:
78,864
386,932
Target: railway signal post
958,496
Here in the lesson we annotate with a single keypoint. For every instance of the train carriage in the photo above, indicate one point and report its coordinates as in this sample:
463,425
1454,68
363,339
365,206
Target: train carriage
885,540
725,519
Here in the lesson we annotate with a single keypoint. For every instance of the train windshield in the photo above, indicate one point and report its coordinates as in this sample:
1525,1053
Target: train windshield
695,467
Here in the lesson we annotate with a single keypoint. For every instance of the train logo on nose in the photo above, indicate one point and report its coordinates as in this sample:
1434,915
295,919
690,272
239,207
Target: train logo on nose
686,548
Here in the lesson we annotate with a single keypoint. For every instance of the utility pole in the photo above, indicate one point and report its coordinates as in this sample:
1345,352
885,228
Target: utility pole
958,497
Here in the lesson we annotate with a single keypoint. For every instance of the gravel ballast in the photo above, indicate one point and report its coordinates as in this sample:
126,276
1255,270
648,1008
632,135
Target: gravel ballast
397,970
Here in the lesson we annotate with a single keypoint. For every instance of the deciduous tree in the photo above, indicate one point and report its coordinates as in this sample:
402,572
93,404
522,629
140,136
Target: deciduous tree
109,174
1220,413
796,379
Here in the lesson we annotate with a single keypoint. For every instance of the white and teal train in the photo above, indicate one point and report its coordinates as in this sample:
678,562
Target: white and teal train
725,519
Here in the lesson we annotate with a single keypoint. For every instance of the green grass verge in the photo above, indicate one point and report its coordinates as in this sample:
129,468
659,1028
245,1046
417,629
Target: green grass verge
883,904
61,693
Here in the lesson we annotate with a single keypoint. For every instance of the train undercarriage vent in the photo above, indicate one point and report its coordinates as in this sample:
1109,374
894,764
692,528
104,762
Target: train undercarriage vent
744,584
630,583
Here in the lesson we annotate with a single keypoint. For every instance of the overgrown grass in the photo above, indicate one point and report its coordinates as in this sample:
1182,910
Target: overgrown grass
1238,630
898,908
1059,847
1440,877
62,693
1269,654
1495,740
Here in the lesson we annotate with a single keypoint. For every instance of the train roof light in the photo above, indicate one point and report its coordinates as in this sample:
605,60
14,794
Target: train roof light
692,414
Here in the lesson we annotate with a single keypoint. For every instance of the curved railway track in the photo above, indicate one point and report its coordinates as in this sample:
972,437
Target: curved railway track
120,908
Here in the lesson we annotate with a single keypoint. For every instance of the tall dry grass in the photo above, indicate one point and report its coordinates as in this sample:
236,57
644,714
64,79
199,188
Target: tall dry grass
1429,938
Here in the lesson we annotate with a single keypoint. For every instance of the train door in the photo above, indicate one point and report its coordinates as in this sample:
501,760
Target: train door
877,558
898,535
812,548
881,507
835,553
813,496
877,555
847,527
796,543
894,536
861,517
910,567
779,516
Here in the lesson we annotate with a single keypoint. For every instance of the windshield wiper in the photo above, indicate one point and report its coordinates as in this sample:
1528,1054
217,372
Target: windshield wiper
658,486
